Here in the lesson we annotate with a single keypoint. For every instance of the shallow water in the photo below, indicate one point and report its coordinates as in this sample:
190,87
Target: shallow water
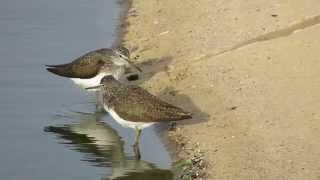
49,127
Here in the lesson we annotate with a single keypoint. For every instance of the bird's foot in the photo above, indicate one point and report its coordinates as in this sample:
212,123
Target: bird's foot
172,126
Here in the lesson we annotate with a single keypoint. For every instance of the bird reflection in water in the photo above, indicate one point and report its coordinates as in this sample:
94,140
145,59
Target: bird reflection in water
103,147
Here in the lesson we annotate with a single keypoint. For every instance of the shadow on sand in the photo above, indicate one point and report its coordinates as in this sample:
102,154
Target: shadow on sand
149,68
185,102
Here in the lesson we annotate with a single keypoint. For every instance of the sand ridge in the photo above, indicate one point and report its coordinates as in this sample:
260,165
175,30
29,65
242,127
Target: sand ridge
249,70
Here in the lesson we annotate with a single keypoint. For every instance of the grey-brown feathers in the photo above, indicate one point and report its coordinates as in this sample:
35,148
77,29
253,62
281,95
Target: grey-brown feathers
133,103
86,66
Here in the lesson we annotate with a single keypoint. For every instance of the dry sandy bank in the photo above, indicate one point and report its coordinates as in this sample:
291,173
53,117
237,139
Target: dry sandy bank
249,70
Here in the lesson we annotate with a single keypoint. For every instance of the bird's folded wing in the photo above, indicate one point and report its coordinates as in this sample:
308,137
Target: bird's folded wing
140,106
86,66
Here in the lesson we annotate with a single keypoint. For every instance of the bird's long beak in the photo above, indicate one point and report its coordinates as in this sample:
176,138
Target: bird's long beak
94,87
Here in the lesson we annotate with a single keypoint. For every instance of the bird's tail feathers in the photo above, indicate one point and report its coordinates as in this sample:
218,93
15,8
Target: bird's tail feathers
61,71
56,66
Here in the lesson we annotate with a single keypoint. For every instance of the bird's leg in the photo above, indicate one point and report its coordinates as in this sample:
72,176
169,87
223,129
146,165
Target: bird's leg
136,140
136,143
137,152
99,104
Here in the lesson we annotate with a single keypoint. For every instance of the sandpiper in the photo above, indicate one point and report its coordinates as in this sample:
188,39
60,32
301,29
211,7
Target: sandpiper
134,107
89,69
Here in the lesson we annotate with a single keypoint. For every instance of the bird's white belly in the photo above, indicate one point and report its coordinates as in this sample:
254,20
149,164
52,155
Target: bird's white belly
95,81
125,123
85,83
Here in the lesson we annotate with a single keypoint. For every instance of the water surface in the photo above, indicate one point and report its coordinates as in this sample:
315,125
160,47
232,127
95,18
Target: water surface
49,127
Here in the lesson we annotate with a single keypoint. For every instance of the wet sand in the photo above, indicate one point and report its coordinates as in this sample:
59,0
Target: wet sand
248,70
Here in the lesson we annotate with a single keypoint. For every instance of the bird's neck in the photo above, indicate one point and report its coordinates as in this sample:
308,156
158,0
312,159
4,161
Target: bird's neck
118,72
117,60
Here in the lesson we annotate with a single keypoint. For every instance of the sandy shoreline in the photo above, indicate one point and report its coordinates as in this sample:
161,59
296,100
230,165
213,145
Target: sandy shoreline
249,71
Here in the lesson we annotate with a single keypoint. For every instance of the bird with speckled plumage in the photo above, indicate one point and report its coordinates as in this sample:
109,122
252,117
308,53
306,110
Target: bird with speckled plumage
89,69
134,107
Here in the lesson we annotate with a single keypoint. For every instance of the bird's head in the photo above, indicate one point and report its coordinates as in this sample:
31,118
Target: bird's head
122,52
108,82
